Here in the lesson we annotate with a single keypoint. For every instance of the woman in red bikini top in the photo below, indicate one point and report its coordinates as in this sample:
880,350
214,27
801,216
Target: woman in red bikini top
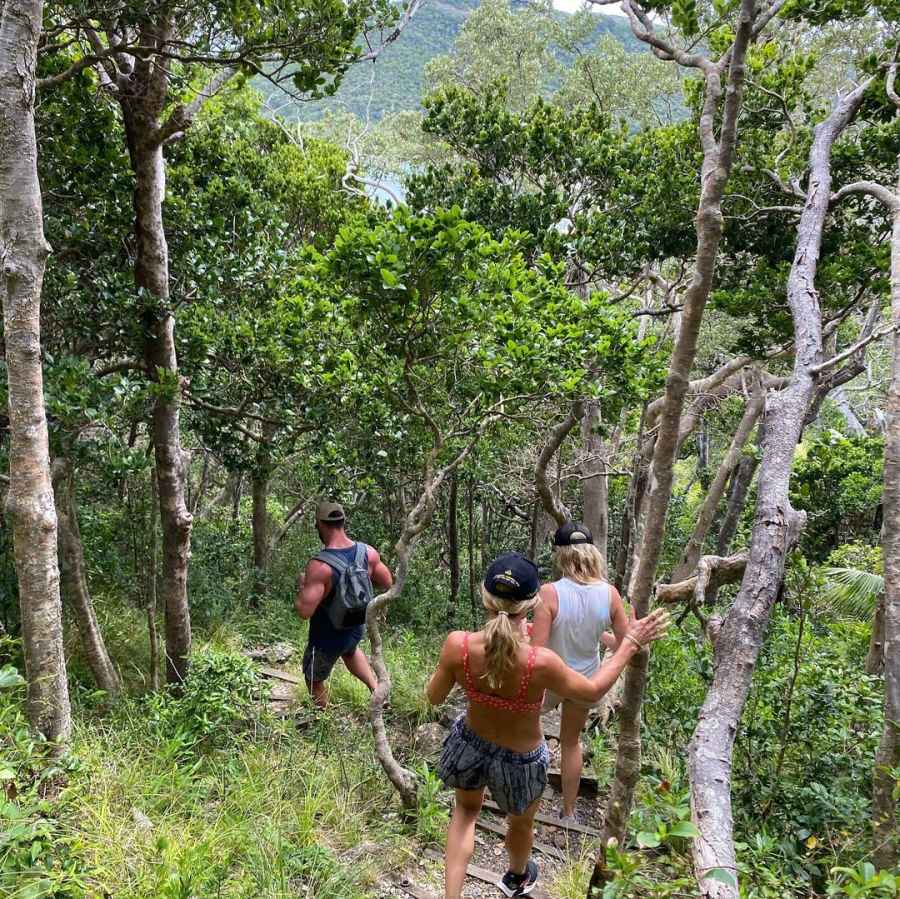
499,743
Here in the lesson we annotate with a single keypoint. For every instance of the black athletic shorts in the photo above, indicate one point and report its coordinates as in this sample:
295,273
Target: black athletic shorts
318,663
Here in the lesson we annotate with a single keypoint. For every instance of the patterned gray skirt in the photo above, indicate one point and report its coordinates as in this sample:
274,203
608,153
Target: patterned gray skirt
470,762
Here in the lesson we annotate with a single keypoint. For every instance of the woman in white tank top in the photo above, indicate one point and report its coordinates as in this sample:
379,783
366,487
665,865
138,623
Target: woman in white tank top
573,619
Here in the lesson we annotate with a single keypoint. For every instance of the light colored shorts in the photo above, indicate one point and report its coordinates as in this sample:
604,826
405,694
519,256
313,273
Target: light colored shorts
551,701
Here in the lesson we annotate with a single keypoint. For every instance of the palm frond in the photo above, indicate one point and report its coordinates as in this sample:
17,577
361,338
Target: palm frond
850,593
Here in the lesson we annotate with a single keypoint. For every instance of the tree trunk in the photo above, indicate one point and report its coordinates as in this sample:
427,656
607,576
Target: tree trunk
453,541
152,273
737,497
595,485
260,523
717,161
875,655
150,603
473,580
74,579
888,754
854,425
776,527
694,548
23,257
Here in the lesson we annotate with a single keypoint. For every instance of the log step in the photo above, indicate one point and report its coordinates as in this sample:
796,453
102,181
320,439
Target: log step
551,821
587,787
543,848
278,674
484,875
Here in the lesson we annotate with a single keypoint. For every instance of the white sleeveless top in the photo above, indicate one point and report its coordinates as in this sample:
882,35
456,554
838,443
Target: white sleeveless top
582,617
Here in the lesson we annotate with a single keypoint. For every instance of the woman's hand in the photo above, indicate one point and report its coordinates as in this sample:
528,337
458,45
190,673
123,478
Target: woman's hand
642,631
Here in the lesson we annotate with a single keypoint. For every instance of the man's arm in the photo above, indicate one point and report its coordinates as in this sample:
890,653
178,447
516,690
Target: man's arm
544,613
441,682
312,587
379,573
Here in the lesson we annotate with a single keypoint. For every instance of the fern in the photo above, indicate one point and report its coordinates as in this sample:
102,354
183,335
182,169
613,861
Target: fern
850,593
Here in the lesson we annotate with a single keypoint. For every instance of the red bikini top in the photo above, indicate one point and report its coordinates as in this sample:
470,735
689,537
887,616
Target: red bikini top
498,702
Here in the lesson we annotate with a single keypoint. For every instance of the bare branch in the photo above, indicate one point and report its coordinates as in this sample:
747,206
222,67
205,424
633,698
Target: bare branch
852,350
553,504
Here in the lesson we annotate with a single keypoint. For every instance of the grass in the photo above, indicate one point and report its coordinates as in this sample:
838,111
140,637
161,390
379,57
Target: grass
271,811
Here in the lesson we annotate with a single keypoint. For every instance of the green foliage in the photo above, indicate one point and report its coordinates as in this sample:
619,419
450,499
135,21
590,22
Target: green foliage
432,817
38,860
213,706
838,482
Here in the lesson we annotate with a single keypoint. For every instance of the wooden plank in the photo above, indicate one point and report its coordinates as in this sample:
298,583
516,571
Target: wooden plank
416,891
482,874
588,785
543,848
278,674
553,822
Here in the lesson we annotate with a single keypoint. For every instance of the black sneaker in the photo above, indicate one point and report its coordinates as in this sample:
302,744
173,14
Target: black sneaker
520,884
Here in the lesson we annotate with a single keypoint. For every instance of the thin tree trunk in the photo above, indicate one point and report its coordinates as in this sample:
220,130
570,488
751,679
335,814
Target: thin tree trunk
717,162
776,527
875,655
152,274
707,512
260,523
473,583
23,257
453,541
840,400
74,578
152,557
888,755
416,521
550,498
737,498
197,504
595,485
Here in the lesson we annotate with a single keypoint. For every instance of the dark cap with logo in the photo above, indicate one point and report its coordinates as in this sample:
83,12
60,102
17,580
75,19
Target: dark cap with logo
330,513
512,576
571,534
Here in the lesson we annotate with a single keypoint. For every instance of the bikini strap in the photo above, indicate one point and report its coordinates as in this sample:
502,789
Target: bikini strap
469,684
526,677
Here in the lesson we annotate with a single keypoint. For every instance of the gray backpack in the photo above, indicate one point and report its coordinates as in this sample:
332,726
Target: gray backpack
352,591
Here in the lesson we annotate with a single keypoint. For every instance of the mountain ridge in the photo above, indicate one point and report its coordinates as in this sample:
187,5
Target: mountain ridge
397,83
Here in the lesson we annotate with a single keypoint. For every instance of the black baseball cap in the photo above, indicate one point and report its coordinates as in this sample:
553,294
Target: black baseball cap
512,576
571,534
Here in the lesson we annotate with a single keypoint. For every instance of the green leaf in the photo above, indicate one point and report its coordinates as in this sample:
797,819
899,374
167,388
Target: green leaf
722,875
9,677
647,840
388,278
684,829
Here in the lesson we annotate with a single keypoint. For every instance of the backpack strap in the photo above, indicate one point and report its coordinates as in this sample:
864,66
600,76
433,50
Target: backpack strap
338,562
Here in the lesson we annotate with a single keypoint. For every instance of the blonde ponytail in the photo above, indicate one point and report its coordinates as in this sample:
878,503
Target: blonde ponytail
580,562
502,636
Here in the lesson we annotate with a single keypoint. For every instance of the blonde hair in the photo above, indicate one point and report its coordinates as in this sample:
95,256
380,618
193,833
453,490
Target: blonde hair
582,562
501,639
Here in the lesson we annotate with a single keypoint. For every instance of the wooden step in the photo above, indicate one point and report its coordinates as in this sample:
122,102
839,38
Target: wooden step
551,821
416,891
543,848
482,874
278,674
587,787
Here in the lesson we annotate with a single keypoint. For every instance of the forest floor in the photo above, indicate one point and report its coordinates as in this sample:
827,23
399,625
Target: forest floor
241,789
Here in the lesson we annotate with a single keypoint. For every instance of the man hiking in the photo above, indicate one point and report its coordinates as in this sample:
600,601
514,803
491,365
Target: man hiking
332,594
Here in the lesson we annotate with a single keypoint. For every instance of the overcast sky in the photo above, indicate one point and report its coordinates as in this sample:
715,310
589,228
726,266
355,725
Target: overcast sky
573,5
